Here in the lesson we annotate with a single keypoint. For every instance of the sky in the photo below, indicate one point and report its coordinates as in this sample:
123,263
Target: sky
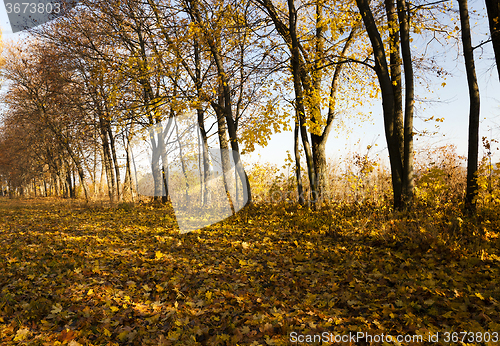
450,102
4,23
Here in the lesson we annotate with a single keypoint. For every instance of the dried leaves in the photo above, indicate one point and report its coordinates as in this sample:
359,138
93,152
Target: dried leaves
82,276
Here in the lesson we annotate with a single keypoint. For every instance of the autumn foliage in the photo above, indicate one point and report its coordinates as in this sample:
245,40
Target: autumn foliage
406,244
77,274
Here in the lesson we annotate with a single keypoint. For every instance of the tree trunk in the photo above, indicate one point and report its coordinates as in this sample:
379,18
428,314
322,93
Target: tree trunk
155,165
228,113
397,113
71,191
224,149
204,159
493,8
404,25
74,184
115,160
472,156
392,132
299,99
317,142
127,185
183,164
231,128
81,175
164,158
395,73
103,170
201,125
300,188
319,161
108,165
57,185
128,173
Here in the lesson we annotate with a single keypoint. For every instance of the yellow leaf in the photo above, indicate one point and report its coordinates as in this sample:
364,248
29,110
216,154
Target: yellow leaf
107,332
153,319
479,295
74,343
428,302
449,314
56,308
22,334
159,255
208,295
123,336
173,335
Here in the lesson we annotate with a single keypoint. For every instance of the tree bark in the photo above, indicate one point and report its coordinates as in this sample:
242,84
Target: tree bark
300,188
128,184
115,160
308,78
394,142
201,125
103,171
473,149
81,175
227,99
395,73
224,150
183,164
493,9
164,157
155,165
299,98
404,27
108,165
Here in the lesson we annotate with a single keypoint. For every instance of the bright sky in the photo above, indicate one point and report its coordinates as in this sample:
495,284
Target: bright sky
453,106
4,23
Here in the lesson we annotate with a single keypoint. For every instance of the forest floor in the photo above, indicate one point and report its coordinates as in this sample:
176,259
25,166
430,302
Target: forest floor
73,274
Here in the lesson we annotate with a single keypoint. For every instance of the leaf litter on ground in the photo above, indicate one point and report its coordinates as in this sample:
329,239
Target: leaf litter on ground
79,275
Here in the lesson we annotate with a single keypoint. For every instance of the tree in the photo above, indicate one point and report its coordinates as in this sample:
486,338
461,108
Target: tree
473,147
319,50
210,33
398,128
217,49
41,97
119,63
493,9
